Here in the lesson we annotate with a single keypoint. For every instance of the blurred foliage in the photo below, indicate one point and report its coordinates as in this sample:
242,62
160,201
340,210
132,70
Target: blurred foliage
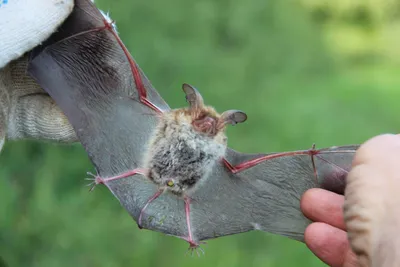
304,73
360,30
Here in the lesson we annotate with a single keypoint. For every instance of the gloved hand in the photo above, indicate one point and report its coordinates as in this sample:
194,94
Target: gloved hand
26,110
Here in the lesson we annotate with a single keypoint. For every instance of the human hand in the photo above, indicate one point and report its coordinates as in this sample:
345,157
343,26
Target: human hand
367,211
327,237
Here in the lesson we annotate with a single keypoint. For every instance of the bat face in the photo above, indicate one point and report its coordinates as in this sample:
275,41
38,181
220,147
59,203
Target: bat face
187,143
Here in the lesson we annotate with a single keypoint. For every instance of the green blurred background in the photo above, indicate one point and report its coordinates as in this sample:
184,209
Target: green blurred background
323,72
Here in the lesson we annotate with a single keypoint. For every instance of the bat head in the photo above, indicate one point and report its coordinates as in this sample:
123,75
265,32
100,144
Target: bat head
204,118
187,142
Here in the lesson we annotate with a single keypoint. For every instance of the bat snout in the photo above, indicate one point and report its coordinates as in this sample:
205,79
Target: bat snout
207,125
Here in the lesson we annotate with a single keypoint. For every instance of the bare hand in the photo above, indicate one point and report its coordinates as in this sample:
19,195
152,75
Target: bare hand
371,210
326,237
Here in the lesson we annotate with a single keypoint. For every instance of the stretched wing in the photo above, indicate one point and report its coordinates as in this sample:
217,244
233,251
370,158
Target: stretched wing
256,192
107,98
84,68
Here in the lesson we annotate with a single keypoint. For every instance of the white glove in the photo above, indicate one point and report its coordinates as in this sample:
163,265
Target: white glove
24,24
26,110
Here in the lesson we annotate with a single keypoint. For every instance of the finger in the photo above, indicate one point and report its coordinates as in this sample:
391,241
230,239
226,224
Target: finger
320,205
372,199
330,245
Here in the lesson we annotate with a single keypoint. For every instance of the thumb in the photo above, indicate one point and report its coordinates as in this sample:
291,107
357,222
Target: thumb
372,202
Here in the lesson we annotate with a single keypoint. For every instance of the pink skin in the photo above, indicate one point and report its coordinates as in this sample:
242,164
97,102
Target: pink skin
193,244
154,197
135,70
99,180
207,125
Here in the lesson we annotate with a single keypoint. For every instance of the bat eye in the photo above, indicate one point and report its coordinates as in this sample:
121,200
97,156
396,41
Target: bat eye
170,183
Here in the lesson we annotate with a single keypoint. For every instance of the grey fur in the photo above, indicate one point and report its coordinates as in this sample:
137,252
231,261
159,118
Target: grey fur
180,154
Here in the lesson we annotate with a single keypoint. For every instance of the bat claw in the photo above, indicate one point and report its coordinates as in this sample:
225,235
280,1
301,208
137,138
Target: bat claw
194,246
312,150
95,181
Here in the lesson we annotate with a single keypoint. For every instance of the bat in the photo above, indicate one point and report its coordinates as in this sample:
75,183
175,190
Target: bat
171,169
184,148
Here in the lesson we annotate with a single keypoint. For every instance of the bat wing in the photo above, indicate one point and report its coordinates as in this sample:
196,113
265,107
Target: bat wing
94,80
87,73
266,196
263,197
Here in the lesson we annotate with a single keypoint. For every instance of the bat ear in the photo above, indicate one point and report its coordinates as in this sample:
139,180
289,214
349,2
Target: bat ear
233,117
193,96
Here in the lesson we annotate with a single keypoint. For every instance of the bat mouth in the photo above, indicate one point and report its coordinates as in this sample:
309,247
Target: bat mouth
206,125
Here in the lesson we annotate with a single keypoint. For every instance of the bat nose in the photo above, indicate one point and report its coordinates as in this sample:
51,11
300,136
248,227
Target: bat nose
206,125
